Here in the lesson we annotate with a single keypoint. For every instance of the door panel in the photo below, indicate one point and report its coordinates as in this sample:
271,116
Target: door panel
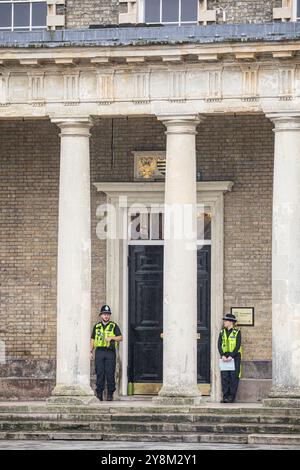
146,314
203,313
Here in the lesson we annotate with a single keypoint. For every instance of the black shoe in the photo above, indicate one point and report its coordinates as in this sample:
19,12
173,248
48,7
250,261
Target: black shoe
100,396
110,398
225,400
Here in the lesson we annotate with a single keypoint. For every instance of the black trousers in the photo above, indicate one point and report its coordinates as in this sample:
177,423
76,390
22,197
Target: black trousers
105,365
230,380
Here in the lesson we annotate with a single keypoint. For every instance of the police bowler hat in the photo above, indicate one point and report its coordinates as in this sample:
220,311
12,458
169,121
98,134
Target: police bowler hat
229,317
105,309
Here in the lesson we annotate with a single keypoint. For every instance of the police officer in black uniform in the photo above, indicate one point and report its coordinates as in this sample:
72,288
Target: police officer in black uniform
229,346
105,338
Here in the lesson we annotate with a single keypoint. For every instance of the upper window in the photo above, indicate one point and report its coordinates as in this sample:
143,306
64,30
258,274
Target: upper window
22,15
171,11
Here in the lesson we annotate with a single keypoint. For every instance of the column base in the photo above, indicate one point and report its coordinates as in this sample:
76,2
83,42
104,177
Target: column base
72,395
283,398
181,396
178,401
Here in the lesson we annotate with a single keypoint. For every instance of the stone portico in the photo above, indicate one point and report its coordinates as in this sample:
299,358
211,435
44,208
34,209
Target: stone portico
182,86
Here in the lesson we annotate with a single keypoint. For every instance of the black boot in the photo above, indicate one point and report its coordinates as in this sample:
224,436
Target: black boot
100,396
225,400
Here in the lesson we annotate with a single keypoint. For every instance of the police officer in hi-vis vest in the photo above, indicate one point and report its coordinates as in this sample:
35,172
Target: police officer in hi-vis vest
105,338
229,346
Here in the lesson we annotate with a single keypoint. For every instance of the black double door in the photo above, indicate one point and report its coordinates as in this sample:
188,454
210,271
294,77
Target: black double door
145,362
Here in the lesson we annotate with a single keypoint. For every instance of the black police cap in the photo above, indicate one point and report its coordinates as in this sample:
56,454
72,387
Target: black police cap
105,309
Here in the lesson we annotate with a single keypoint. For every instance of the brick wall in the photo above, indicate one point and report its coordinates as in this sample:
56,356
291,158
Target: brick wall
239,149
82,13
28,194
228,148
242,151
245,11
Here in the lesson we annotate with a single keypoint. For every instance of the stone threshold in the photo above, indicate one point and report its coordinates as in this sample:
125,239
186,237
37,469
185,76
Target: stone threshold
131,404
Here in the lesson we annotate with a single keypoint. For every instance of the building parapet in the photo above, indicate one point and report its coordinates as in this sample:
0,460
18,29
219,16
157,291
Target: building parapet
151,35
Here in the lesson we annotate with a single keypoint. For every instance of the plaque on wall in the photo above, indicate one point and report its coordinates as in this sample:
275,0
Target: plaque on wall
244,315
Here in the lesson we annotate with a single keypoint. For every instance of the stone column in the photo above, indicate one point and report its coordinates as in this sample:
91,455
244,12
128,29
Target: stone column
180,264
286,262
74,266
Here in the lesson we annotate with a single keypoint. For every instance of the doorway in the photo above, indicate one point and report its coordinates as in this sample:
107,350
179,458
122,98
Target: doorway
145,304
123,197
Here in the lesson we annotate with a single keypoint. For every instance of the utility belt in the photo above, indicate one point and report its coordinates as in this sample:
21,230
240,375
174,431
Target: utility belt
101,348
227,353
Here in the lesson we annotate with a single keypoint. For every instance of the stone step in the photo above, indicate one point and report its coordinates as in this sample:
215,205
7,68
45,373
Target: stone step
207,418
115,408
274,439
61,417
259,439
149,427
148,418
177,437
125,437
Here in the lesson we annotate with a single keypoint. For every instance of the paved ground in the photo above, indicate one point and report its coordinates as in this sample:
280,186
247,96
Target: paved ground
87,445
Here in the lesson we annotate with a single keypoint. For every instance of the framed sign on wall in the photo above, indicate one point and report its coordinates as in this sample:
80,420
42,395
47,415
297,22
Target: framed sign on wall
244,315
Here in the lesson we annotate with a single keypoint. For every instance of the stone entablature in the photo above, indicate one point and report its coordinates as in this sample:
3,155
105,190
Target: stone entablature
223,77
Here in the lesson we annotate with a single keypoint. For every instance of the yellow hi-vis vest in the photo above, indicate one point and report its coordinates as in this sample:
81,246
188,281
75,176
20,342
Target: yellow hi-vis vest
229,343
101,333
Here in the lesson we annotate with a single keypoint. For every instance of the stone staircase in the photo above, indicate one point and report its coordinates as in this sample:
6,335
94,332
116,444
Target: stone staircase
149,423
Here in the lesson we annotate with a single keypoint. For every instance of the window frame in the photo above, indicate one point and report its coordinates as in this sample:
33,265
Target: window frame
147,212
28,27
179,23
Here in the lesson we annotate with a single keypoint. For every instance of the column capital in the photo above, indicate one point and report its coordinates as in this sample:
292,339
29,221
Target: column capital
181,123
74,126
285,121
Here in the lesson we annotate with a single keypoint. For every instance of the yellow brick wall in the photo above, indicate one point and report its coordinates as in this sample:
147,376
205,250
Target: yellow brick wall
228,148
